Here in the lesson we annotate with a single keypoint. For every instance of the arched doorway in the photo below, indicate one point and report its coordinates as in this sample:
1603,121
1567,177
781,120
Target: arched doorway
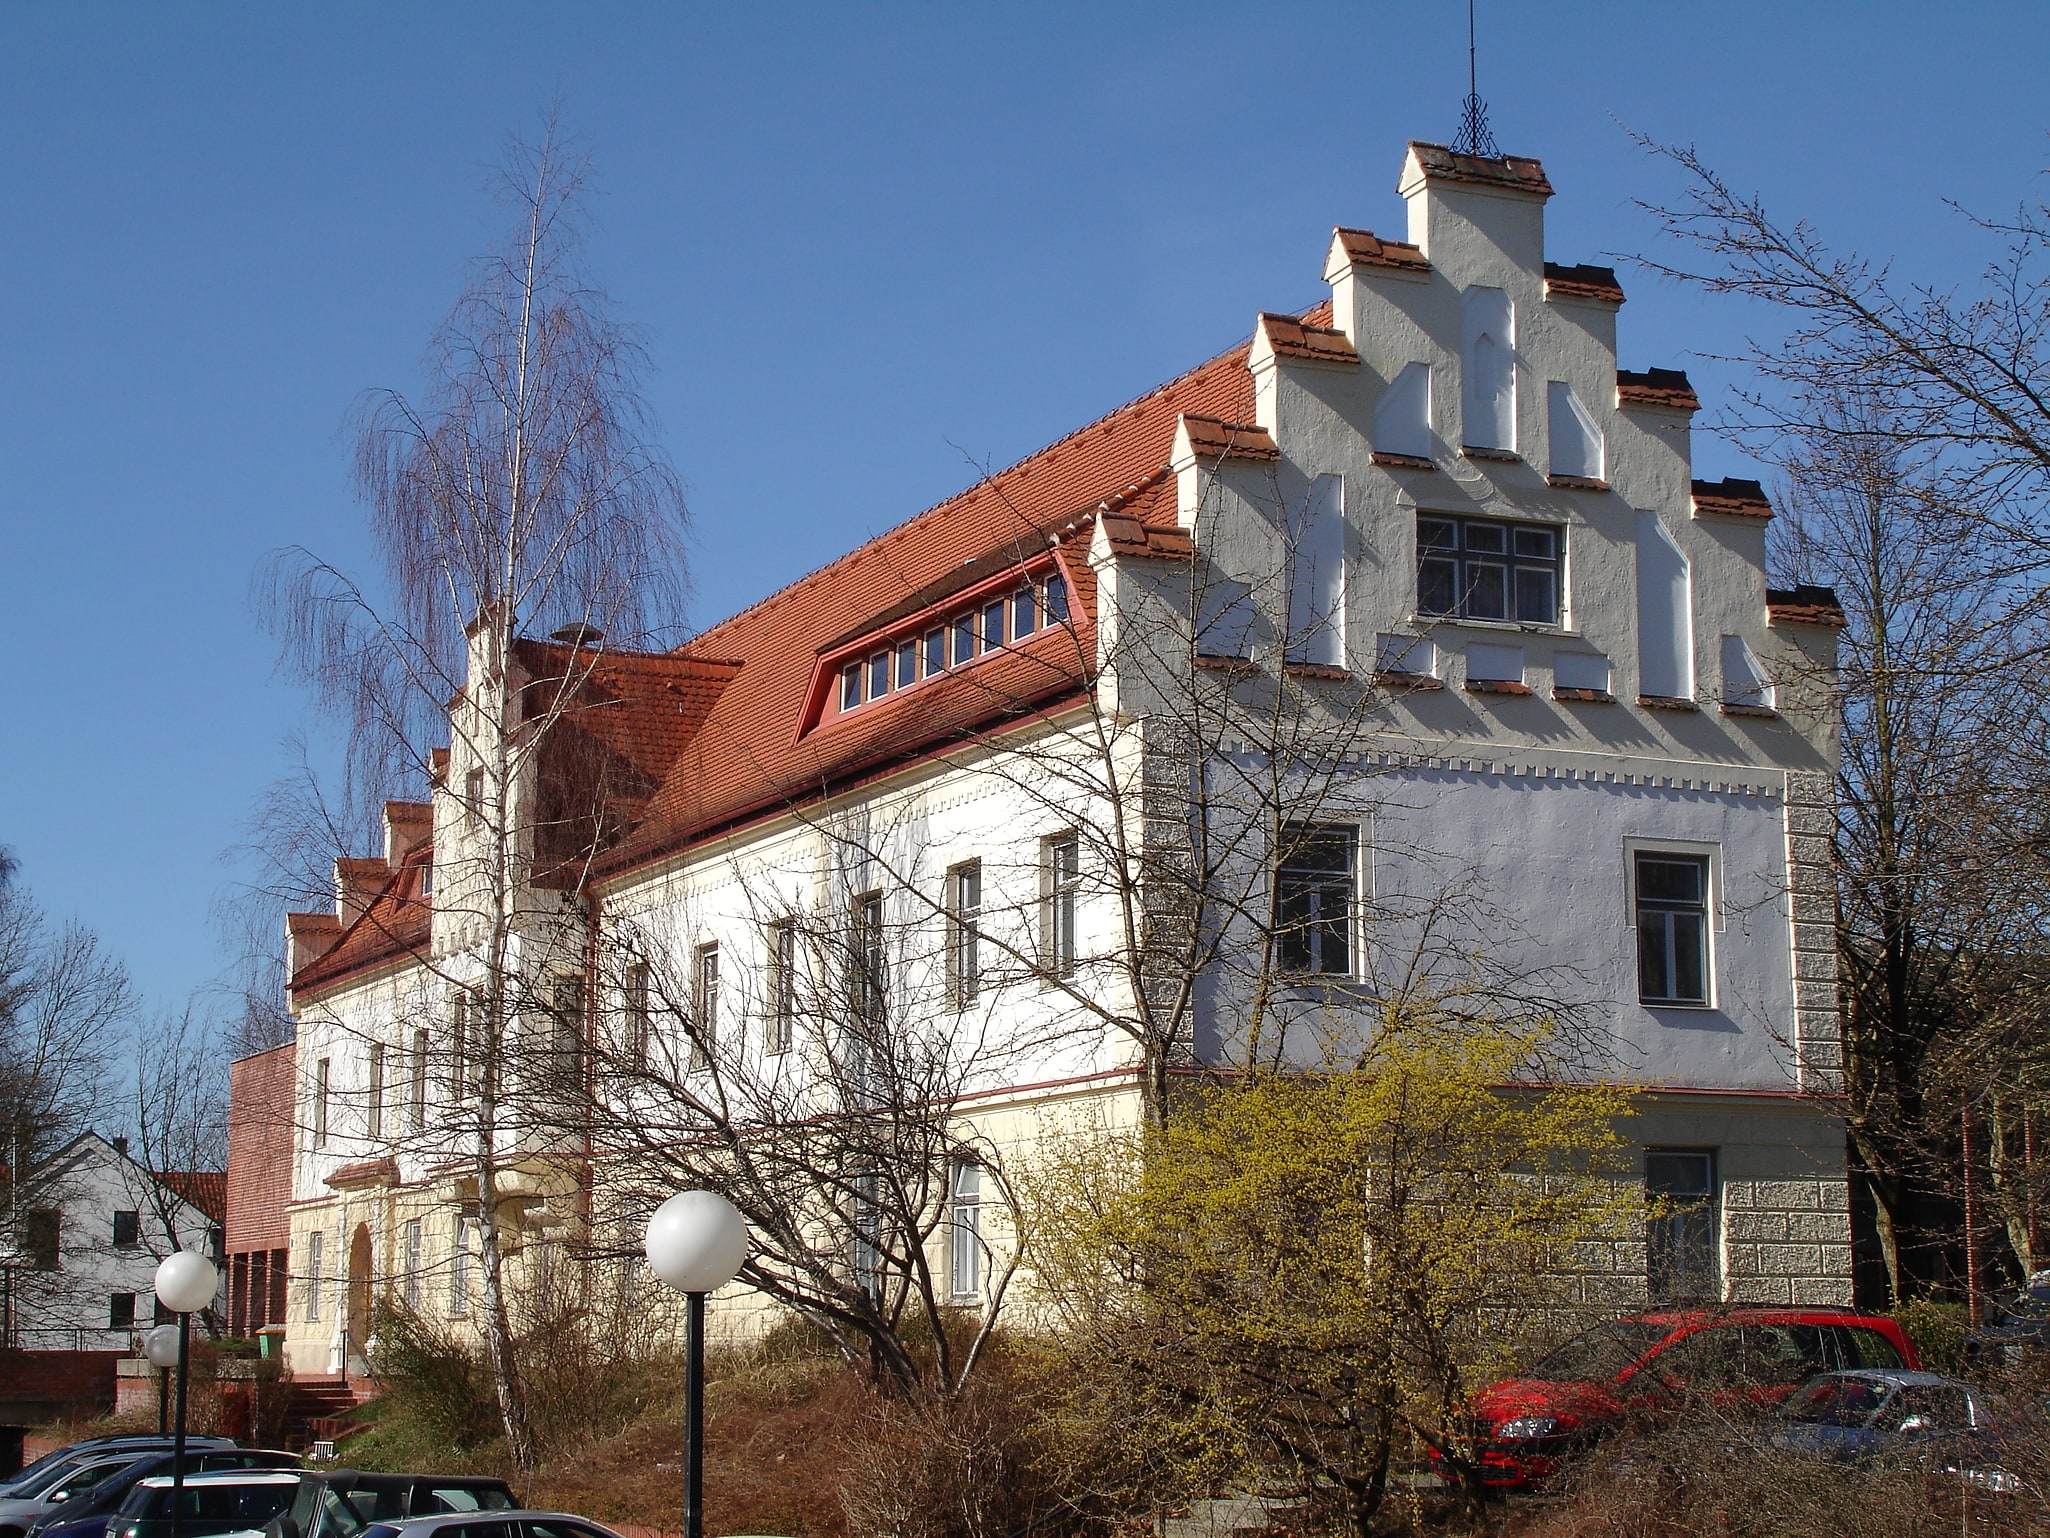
359,1300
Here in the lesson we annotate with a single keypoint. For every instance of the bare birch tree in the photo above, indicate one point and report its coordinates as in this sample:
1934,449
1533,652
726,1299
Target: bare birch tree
519,493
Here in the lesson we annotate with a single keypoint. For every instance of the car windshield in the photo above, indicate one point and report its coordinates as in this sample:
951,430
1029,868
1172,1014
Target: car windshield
1600,1354
1845,1402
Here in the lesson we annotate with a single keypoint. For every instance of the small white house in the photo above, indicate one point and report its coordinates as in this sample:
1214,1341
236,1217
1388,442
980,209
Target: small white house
90,1225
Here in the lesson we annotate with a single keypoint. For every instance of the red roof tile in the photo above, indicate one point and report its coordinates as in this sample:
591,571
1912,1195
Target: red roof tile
1363,248
1517,173
205,1189
1663,387
1212,438
1731,498
396,922
1583,282
1290,338
1805,605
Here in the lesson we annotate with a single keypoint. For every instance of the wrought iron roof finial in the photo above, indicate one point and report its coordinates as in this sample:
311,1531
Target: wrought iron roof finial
1474,137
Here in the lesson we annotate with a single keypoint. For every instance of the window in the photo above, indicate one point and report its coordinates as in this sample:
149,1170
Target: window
416,1088
935,652
320,1071
127,1230
907,663
878,675
373,1113
782,1001
1672,929
1475,568
1680,1237
964,942
473,799
636,1019
850,686
565,1065
993,625
121,1311
413,1260
1062,873
964,1244
868,968
459,1271
467,1054
964,639
1056,600
1024,612
316,1243
704,1005
1314,887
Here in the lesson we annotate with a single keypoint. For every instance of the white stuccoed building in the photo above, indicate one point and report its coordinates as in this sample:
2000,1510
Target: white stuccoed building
1428,545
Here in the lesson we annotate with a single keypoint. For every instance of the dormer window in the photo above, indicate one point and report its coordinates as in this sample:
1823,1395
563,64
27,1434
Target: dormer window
992,624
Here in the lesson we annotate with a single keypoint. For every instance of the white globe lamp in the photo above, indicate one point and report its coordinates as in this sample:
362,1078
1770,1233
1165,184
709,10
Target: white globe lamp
697,1243
187,1282
161,1346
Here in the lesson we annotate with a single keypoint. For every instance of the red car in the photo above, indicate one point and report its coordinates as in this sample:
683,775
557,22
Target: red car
1646,1367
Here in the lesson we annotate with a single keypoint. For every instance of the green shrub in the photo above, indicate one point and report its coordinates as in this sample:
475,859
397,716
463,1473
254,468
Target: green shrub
1938,1331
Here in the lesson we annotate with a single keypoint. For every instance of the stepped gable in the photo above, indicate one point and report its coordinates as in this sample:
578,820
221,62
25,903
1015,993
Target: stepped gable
751,756
397,922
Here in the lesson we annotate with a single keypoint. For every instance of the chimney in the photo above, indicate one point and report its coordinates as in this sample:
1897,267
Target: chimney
407,825
308,937
357,883
121,1146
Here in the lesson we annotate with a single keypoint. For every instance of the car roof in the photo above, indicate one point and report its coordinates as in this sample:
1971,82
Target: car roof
523,1513
227,1477
337,1476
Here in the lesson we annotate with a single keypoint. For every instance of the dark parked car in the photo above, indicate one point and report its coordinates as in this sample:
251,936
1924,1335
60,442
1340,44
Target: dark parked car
1652,1367
86,1515
1900,1417
93,1447
340,1503
238,1501
492,1524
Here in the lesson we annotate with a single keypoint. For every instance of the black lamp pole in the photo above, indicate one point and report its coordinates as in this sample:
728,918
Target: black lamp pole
178,1437
163,1401
693,1423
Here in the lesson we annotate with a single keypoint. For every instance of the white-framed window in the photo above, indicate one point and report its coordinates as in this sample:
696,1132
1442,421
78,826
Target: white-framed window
1061,878
316,1247
416,1088
964,1234
321,1071
1681,1251
459,1271
993,623
374,1110
473,799
964,935
1316,891
868,962
780,1019
1672,892
1488,569
414,1261
704,1003
636,1015
465,1042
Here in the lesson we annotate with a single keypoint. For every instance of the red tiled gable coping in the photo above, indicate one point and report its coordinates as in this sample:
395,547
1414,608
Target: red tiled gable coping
1662,387
1290,338
1805,605
1363,248
1514,173
1583,282
1215,439
396,922
1731,498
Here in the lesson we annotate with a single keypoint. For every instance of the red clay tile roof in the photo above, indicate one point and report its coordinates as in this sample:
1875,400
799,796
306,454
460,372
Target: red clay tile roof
1665,387
1805,605
1212,438
1583,282
1731,498
1290,338
1363,248
396,922
205,1189
1518,173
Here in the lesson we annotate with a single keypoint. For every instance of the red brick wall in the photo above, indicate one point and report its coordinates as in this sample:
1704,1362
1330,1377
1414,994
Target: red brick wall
260,1151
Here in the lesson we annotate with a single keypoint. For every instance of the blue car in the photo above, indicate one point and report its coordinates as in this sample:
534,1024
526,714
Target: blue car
87,1515
1893,1415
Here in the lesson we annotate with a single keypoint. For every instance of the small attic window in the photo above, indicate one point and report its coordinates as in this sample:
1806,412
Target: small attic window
850,686
988,627
878,675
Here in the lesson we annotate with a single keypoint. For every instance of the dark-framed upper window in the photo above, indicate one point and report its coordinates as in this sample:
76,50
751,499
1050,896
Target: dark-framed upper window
127,1230
1483,568
1672,928
1314,890
1680,1236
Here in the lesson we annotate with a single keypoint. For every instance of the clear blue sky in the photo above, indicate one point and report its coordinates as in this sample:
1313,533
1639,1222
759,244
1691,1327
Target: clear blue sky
867,244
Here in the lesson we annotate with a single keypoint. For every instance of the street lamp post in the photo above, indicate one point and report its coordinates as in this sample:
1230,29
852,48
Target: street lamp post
697,1243
161,1347
186,1283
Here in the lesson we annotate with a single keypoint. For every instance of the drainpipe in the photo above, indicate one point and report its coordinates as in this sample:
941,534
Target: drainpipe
1971,1221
